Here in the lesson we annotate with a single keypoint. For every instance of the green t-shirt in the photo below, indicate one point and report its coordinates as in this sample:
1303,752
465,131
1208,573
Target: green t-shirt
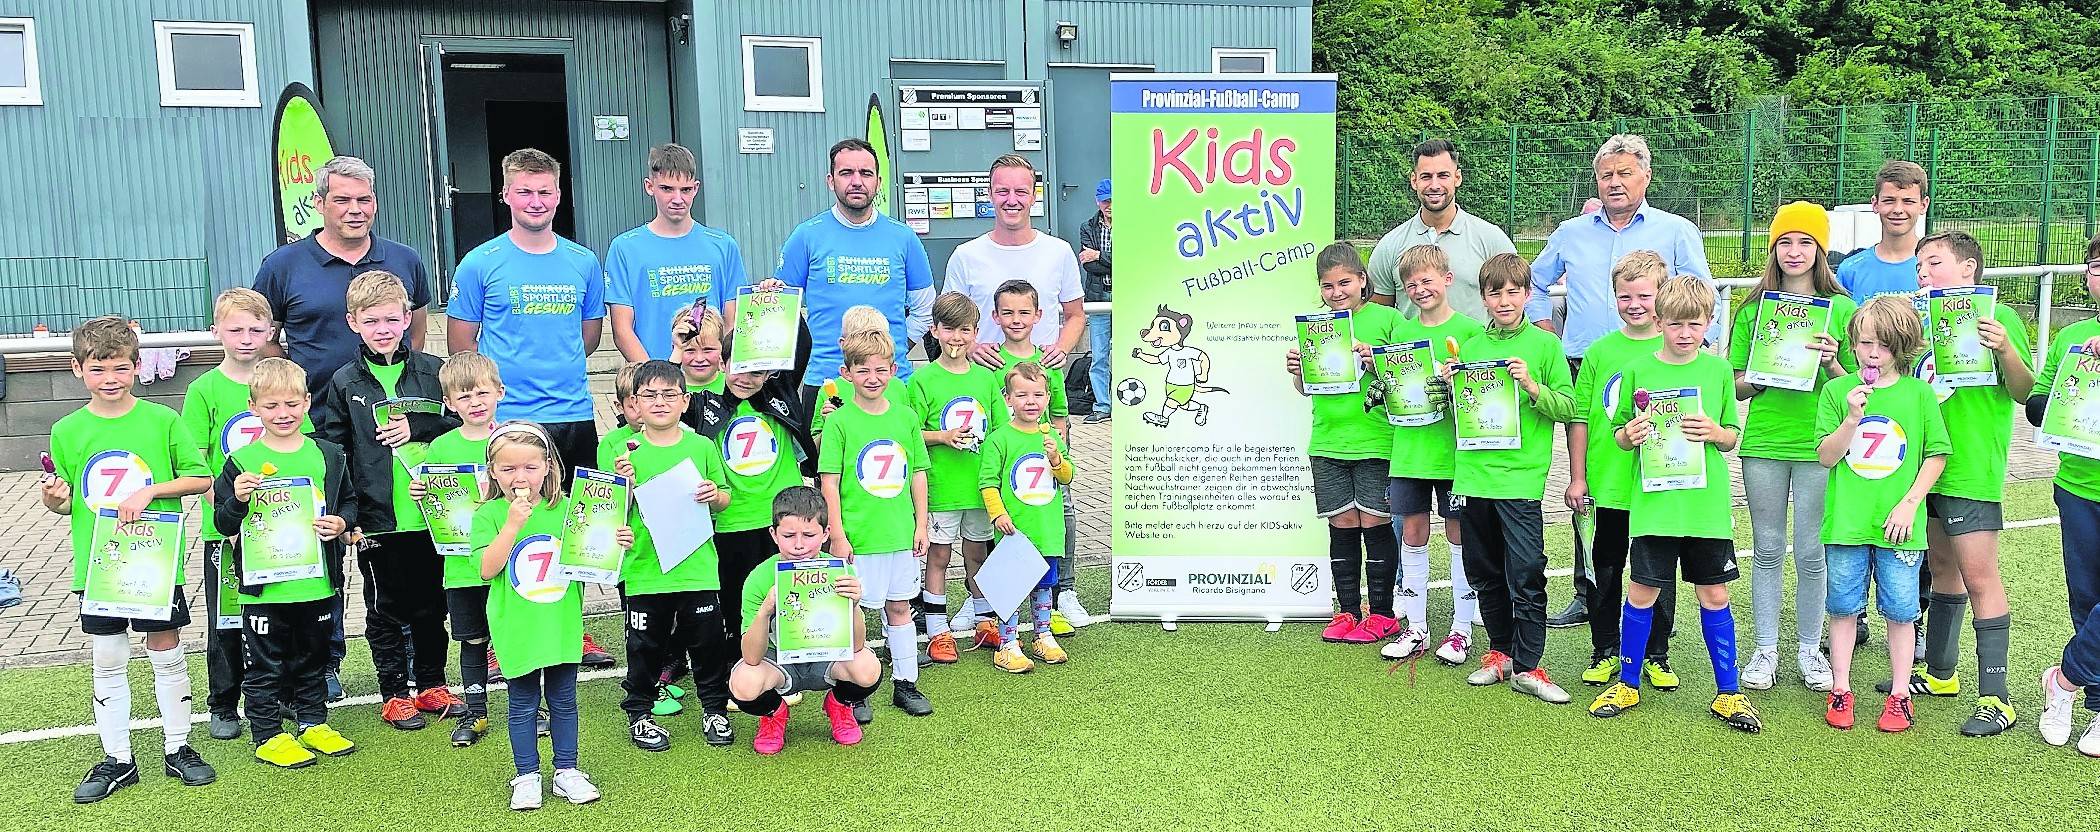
1058,408
640,573
947,400
1708,511
106,460
758,460
1341,427
714,385
1014,463
528,634
1779,420
215,409
454,449
1979,423
304,462
757,586
875,456
1881,465
1427,452
2076,474
408,514
1519,473
1608,471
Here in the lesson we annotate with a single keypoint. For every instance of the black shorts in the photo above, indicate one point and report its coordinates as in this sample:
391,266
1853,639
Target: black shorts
1652,561
1343,484
102,625
1961,515
1409,497
468,609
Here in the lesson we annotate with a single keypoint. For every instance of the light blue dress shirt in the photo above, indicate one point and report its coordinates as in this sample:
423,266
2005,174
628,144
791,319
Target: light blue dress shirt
1581,254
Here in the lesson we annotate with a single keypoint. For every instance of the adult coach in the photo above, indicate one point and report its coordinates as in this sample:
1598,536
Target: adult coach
1015,250
1466,240
515,299
666,264
305,281
1581,253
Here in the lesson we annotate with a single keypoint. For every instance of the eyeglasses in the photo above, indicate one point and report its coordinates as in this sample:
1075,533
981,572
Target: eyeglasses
659,396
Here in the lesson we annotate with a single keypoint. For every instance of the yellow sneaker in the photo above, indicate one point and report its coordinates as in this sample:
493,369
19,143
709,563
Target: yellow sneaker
1615,700
284,752
1059,626
325,740
1009,659
1046,648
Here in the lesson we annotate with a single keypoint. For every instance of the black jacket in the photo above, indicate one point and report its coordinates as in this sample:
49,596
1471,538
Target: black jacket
342,414
1096,281
709,413
227,514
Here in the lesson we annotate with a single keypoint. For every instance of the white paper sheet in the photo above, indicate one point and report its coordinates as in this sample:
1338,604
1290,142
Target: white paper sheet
1010,573
677,523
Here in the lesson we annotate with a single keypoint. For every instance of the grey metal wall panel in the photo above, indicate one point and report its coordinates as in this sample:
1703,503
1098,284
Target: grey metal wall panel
1176,37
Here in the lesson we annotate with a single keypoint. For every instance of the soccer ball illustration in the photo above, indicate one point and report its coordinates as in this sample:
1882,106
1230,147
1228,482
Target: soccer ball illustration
1130,392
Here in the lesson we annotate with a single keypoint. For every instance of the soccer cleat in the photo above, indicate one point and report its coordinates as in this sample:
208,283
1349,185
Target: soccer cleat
1009,659
1601,672
1534,682
593,656
647,735
1494,670
715,728
189,766
441,702
105,779
401,713
224,727
326,740
941,649
1656,673
469,731
284,752
1068,603
863,712
1339,628
666,704
1895,714
987,635
1734,710
1406,645
1047,649
844,728
1992,717
772,732
1922,681
2089,744
2056,707
1059,625
575,786
1762,670
1815,669
1576,615
525,793
906,696
1838,711
495,672
1373,628
1615,700
1453,650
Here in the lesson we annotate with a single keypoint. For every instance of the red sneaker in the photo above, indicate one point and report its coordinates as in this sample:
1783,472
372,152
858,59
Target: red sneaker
987,635
1895,714
593,655
844,728
1338,630
401,713
1374,628
495,672
773,732
441,702
1840,713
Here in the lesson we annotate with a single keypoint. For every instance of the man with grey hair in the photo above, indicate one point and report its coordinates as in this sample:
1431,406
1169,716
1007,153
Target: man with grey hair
1580,255
305,280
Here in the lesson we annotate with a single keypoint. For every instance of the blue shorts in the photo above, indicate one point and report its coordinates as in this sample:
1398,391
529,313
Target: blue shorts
1895,580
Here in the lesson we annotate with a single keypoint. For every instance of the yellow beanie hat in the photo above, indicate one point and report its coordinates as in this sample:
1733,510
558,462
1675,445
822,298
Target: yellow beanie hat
1805,217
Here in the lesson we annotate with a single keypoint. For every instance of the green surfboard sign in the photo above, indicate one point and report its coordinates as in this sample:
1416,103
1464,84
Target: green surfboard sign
879,137
298,147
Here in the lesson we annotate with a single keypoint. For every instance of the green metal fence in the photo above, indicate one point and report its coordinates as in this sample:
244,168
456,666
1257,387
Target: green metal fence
2022,175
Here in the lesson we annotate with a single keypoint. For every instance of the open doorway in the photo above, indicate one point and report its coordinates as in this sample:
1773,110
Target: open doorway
495,103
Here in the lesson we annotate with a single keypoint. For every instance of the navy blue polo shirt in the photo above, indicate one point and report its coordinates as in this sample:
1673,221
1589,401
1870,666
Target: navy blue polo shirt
305,286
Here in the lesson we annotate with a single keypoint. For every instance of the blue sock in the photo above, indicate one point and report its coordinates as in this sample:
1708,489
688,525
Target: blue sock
1634,624
1719,627
1042,609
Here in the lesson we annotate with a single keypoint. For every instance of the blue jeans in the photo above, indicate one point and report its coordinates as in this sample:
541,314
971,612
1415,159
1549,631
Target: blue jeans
2081,536
558,685
1097,333
1895,580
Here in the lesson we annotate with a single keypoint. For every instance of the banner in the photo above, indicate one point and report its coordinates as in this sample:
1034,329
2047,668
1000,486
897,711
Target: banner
1781,354
1225,194
299,147
812,622
278,541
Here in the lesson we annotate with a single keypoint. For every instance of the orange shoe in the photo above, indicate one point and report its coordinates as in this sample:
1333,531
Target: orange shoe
942,649
988,635
440,702
401,713
593,655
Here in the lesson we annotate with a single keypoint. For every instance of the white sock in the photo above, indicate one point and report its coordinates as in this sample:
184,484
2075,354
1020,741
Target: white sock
1465,604
936,613
980,605
113,695
171,687
1414,586
904,651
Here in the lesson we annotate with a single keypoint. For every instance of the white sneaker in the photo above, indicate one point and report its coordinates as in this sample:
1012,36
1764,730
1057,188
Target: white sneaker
1075,615
2089,745
525,792
1407,645
1453,650
1763,668
574,785
1815,670
2056,708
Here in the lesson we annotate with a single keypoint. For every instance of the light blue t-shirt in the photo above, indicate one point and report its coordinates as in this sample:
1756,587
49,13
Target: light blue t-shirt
1865,274
838,267
1581,253
531,308
656,275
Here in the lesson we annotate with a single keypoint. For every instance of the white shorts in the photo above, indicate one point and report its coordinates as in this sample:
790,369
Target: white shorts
896,576
951,527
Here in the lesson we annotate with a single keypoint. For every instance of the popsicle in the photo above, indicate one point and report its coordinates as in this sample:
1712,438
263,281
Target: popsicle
1450,346
1640,399
50,467
633,446
269,470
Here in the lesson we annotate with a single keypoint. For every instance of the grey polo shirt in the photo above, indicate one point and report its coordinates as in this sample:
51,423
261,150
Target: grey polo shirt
1469,242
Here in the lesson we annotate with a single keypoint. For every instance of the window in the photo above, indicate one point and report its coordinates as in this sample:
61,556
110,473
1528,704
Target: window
783,74
18,77
206,64
1253,61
